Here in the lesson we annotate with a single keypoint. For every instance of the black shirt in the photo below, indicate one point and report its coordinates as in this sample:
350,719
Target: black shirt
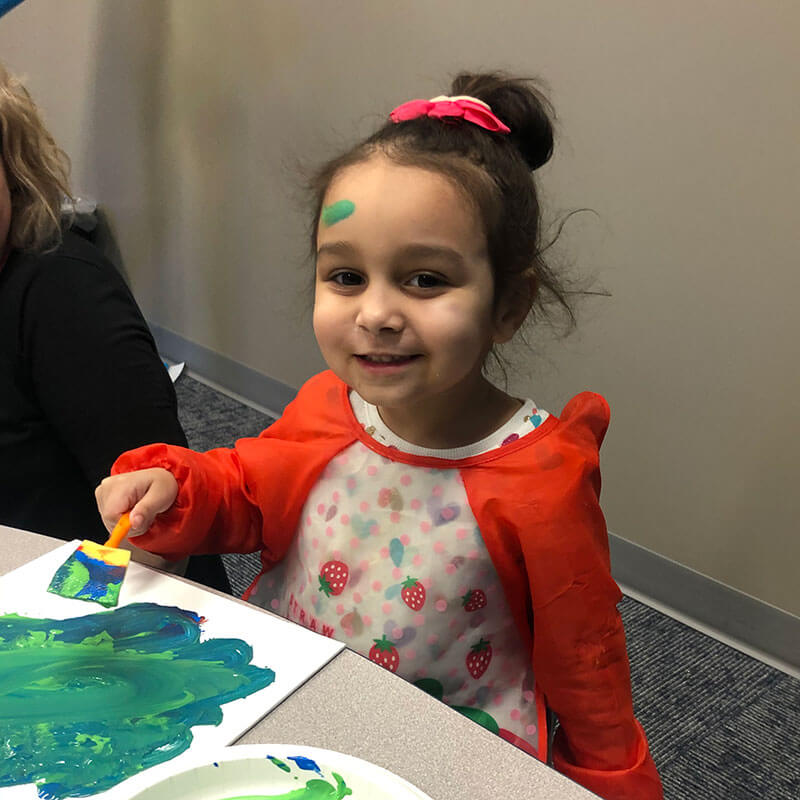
80,382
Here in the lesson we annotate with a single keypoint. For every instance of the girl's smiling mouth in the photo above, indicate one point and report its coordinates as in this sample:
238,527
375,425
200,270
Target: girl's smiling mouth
385,361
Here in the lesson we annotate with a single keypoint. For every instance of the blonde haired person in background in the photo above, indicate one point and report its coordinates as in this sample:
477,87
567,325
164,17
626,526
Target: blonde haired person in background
81,380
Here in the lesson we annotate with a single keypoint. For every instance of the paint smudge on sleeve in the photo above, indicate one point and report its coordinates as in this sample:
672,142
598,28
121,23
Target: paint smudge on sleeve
89,701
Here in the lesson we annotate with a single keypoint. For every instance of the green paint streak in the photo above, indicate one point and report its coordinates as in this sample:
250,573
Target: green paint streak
336,212
89,701
313,790
70,579
280,764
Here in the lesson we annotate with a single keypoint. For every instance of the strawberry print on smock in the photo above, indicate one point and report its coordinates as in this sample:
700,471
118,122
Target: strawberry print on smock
333,577
388,558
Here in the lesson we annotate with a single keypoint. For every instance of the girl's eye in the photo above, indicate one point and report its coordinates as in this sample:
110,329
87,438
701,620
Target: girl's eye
347,278
426,281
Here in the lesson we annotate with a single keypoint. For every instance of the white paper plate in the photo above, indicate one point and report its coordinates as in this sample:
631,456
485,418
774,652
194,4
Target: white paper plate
266,771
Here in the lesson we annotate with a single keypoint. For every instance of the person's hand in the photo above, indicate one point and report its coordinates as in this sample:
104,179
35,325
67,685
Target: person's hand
144,493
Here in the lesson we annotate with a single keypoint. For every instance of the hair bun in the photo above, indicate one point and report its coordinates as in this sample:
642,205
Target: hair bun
519,105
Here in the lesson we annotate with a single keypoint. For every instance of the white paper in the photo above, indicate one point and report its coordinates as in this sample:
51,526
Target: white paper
294,653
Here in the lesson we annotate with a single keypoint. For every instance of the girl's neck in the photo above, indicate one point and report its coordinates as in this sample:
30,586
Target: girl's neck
445,422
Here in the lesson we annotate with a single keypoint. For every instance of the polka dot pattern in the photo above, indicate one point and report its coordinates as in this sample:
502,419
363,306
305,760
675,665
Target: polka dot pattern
416,575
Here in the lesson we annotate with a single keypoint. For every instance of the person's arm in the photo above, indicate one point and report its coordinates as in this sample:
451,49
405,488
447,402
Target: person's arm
242,499
580,657
93,364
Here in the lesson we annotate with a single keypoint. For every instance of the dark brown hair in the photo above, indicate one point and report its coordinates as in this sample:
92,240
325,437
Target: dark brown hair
493,170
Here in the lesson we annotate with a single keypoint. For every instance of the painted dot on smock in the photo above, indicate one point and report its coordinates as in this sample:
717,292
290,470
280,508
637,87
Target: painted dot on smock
528,696
417,560
397,573
461,533
497,699
440,605
376,586
364,505
405,539
450,568
472,554
419,620
336,555
426,582
351,483
425,526
432,638
309,521
397,632
339,608
274,604
395,517
530,730
405,480
335,497
355,542
321,508
438,547
386,608
452,672
410,653
461,637
366,619
356,597
515,713
374,529
416,504
372,470
384,551
345,519
437,491
363,565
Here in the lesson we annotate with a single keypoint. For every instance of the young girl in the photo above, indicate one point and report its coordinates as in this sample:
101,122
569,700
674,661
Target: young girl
403,503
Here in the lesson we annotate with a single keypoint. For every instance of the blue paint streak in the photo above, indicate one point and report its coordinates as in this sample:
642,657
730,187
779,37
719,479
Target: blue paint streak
306,763
100,575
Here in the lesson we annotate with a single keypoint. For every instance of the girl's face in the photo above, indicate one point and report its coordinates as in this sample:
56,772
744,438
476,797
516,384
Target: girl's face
403,309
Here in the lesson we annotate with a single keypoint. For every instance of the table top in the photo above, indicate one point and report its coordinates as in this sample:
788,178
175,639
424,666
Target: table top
354,706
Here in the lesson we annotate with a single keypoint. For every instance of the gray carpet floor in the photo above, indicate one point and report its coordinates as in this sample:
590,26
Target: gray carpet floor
721,725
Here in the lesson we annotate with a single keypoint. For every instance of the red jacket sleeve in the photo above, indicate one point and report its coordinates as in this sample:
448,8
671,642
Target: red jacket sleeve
250,497
580,657
538,510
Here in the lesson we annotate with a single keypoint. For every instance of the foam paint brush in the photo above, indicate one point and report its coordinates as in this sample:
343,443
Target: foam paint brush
95,571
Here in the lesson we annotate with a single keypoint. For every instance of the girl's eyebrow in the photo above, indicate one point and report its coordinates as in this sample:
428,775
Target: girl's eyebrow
339,248
421,252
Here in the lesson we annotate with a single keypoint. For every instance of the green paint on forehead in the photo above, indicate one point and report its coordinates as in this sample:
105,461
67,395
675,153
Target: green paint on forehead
336,212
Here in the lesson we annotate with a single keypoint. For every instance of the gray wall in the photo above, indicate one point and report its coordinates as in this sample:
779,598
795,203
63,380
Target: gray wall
678,125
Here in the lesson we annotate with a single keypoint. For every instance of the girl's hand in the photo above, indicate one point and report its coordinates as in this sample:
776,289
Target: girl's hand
144,493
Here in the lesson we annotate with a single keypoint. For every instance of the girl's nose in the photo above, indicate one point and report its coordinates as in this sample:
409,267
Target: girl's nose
379,310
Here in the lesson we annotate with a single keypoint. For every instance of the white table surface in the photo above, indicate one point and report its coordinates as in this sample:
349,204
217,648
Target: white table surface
354,706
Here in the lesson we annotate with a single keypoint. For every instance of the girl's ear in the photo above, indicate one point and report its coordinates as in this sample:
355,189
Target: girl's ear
512,309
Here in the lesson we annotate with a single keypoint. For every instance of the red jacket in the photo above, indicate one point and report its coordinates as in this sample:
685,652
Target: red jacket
536,502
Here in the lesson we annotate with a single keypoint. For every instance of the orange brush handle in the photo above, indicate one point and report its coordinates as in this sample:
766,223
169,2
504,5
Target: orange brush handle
120,531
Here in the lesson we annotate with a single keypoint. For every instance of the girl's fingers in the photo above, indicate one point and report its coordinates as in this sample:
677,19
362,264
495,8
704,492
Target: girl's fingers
144,493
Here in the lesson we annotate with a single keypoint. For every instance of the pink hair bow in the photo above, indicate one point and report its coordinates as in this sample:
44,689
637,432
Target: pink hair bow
468,108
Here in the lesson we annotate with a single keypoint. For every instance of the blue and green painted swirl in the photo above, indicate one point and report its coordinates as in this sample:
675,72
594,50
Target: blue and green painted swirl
89,701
